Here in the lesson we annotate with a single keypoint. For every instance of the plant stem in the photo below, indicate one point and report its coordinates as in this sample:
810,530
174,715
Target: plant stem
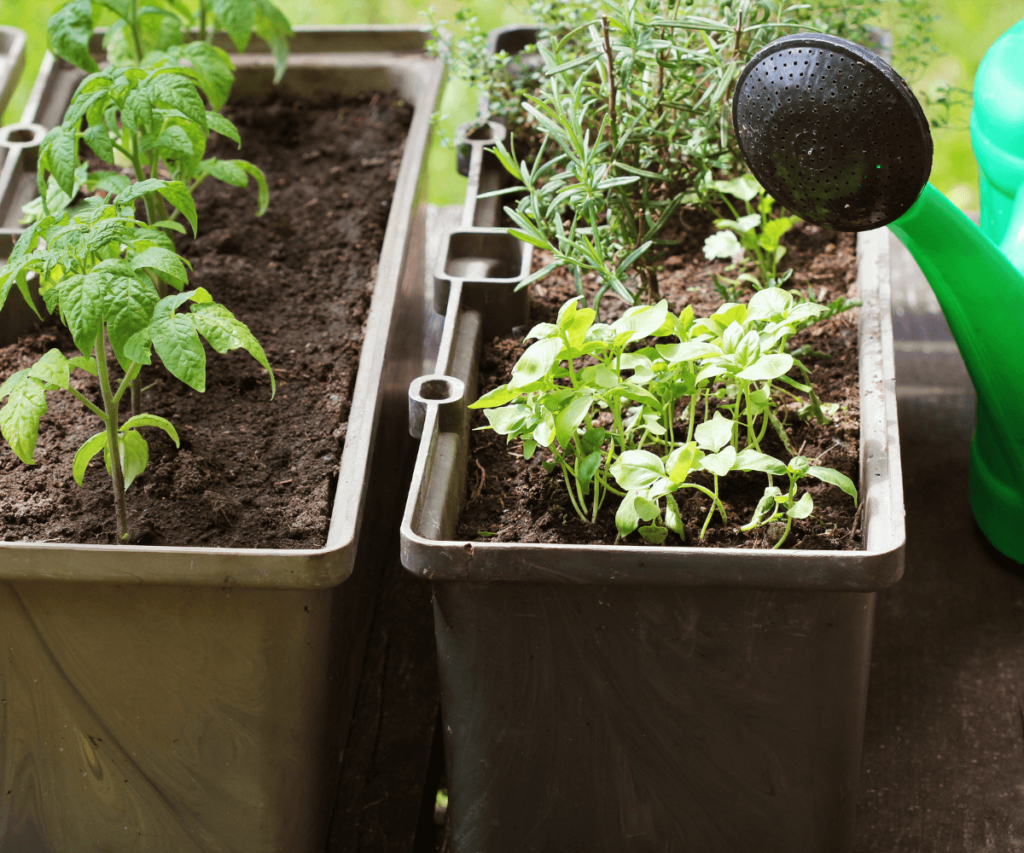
612,118
133,19
111,421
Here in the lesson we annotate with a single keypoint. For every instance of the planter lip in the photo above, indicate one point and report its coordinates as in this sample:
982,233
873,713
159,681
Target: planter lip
435,495
12,61
270,568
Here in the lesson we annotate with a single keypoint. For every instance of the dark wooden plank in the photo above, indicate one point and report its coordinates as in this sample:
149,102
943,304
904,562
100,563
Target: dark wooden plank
943,764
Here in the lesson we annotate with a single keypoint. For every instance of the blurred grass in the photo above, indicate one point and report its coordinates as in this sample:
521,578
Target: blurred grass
963,32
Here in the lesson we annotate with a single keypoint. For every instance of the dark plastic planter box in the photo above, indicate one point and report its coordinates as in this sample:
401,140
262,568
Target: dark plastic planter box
646,698
175,699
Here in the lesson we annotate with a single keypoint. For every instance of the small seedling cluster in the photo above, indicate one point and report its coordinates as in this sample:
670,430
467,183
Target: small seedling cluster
634,422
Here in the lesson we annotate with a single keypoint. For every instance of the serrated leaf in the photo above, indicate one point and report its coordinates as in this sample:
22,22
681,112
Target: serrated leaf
174,89
173,144
98,139
85,454
58,154
273,27
228,172
237,18
20,416
52,369
225,332
153,421
68,31
216,76
178,195
12,381
81,301
134,452
84,362
168,265
835,478
176,341
262,192
128,307
217,123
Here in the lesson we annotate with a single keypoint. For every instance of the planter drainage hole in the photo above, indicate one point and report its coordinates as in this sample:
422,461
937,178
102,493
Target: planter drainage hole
21,135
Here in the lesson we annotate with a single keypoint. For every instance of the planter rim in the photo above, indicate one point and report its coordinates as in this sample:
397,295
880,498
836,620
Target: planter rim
435,495
270,568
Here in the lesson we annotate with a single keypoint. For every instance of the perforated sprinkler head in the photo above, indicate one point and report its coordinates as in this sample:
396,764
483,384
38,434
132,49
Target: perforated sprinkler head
832,132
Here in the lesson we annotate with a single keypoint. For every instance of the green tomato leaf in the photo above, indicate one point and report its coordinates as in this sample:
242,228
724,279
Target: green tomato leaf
68,31
221,125
81,301
172,88
263,193
167,264
52,369
20,416
98,139
58,154
237,18
129,302
84,362
85,455
226,171
273,27
225,332
835,478
153,421
216,77
176,341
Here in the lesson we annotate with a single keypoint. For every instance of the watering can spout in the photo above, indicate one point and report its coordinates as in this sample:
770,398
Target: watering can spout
981,293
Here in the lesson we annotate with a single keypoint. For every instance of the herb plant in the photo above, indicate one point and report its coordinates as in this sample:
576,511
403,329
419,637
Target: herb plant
94,271
635,422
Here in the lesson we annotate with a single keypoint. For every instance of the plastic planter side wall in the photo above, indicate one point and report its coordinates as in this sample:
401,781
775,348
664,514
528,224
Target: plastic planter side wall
174,699
642,698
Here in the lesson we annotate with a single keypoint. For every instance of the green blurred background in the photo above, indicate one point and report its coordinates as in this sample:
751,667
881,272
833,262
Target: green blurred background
962,34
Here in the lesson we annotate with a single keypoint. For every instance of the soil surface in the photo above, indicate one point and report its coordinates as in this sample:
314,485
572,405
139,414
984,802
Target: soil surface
251,472
510,499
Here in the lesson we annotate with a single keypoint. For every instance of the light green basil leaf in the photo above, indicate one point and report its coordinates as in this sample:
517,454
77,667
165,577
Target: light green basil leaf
802,508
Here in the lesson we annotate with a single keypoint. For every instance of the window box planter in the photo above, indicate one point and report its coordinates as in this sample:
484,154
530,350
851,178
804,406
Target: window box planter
186,699
638,698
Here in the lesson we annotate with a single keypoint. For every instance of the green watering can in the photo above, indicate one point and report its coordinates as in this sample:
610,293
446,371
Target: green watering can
834,134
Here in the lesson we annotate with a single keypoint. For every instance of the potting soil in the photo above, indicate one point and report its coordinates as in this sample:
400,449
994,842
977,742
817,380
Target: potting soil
251,472
510,499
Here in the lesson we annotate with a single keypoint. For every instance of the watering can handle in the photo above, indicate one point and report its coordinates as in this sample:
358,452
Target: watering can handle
1013,242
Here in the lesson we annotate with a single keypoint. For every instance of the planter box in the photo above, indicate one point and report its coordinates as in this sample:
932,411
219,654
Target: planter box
173,699
639,698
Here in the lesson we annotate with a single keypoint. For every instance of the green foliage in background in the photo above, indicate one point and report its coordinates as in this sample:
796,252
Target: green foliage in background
963,31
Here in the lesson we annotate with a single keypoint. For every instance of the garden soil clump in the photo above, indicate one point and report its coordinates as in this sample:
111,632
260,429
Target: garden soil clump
510,499
251,472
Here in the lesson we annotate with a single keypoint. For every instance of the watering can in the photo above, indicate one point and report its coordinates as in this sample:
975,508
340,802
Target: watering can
835,135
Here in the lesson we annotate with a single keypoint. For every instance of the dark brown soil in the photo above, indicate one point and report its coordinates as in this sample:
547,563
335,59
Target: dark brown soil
251,472
510,499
